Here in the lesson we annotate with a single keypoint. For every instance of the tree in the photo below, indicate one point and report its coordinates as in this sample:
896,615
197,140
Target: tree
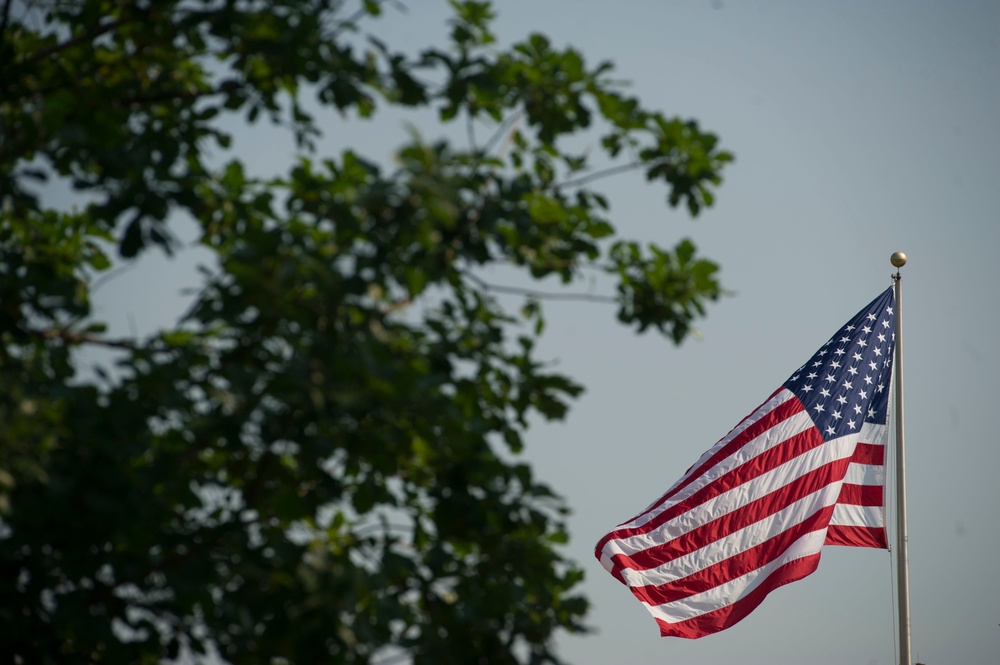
318,463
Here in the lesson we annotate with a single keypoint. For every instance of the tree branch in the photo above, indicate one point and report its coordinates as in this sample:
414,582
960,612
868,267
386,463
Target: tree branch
596,175
70,43
541,295
72,337
500,132
187,96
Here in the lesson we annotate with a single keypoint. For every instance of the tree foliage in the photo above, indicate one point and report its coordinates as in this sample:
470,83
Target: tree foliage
318,462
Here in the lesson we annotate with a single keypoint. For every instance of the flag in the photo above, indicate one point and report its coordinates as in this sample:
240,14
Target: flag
805,469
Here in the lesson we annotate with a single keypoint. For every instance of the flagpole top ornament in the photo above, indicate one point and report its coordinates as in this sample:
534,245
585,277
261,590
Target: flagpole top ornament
898,259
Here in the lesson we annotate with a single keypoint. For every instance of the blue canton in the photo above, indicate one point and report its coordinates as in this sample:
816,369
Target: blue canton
846,382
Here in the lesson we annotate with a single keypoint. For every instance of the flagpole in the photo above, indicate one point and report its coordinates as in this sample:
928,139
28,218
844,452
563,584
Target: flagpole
898,260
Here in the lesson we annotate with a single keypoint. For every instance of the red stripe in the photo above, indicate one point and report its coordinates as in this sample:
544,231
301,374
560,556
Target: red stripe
775,416
735,566
713,622
869,453
752,468
856,536
860,495
743,516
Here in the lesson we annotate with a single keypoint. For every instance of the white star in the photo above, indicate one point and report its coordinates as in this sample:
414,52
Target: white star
868,380
839,352
794,378
824,392
857,357
806,389
817,363
857,409
889,309
881,338
873,365
853,371
871,413
819,408
862,394
847,385
822,353
850,423
842,400
866,330
835,365
880,387
830,430
862,342
845,339
871,317
811,375
885,323
836,415
829,377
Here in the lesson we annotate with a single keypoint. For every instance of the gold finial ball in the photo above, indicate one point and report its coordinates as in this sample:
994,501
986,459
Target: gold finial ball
898,259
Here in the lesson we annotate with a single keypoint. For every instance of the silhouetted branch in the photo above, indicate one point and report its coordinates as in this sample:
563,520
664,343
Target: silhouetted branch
541,295
590,177
70,43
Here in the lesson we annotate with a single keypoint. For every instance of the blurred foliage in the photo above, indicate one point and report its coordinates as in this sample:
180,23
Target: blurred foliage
317,464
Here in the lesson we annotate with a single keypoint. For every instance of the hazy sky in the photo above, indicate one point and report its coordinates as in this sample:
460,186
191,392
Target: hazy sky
860,128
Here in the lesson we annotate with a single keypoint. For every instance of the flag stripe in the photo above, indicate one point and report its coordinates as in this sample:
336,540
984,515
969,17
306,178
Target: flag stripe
856,536
733,567
857,515
756,500
860,495
739,588
740,485
752,444
728,615
779,407
739,542
870,453
864,474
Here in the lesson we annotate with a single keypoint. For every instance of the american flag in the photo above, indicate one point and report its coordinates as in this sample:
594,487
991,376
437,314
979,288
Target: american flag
805,469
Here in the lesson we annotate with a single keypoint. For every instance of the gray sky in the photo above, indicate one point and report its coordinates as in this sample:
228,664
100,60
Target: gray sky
860,128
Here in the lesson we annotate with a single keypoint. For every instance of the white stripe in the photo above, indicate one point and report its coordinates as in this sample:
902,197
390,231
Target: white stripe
844,515
768,439
865,474
737,543
730,592
739,496
874,433
606,561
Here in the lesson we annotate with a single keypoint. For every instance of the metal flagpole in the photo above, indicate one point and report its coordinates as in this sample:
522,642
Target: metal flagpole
898,259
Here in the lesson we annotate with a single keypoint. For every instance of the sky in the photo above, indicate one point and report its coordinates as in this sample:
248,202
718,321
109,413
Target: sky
860,129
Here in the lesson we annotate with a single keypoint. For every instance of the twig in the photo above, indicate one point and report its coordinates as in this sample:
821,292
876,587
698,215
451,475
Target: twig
471,132
614,170
72,337
541,295
112,274
500,132
70,43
